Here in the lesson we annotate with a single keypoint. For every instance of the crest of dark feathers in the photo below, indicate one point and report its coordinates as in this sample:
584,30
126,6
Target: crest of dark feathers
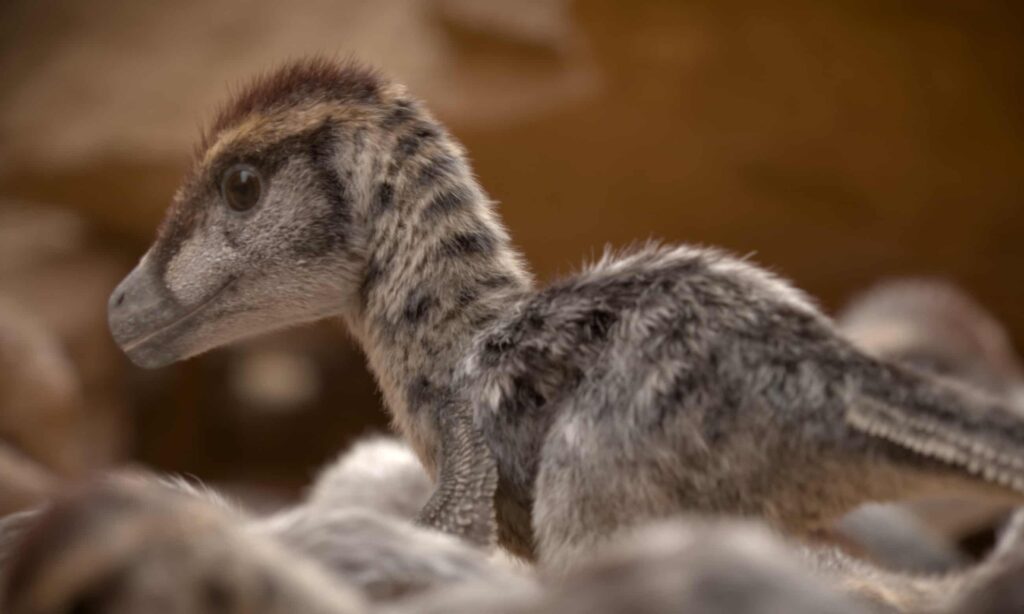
306,79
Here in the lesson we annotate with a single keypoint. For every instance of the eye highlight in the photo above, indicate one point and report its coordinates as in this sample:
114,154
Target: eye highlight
241,187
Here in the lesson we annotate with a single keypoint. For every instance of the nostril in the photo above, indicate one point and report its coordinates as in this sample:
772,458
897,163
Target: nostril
120,299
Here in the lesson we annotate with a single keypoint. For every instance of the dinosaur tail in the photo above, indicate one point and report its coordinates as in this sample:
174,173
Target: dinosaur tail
995,586
992,586
943,420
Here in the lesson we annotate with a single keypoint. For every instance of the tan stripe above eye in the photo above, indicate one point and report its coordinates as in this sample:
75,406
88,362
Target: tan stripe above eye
262,129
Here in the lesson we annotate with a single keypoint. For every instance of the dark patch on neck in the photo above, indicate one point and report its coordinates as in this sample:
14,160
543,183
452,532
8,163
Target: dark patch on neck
463,244
447,202
467,296
401,112
426,132
442,166
468,303
418,307
371,278
406,148
422,393
497,280
411,143
384,198
332,233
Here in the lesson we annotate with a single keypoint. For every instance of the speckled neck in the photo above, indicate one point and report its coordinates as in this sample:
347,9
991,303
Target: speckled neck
440,268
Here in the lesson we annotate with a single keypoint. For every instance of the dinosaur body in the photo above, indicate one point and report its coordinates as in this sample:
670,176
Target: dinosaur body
659,381
672,379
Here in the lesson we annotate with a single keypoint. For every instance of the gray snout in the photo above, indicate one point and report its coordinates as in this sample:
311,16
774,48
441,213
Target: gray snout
141,313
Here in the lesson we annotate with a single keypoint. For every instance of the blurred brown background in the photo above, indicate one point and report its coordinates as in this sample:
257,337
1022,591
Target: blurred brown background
840,142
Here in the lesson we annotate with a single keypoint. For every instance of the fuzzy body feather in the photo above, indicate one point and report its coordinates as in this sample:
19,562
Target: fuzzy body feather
132,541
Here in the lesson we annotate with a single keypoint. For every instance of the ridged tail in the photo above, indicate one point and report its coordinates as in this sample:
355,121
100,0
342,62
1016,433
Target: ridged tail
943,420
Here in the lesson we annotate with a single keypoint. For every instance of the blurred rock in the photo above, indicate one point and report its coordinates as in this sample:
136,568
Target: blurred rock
997,587
23,483
61,379
40,395
938,327
194,49
275,380
896,537
71,58
30,233
545,23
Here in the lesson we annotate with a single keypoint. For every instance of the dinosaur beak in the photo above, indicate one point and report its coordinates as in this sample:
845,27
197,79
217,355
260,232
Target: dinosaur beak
145,318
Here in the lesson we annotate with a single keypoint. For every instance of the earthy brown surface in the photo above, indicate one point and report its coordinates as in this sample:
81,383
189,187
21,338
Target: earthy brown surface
840,142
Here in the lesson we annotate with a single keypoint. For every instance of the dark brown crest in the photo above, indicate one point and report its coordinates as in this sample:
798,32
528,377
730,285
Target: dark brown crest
308,79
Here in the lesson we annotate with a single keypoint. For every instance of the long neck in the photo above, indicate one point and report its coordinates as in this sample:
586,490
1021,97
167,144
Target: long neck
440,267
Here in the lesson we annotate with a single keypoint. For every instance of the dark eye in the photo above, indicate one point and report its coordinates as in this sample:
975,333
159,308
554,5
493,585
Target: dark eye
241,187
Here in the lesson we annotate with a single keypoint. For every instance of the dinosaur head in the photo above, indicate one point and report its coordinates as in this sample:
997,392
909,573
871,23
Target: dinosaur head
268,228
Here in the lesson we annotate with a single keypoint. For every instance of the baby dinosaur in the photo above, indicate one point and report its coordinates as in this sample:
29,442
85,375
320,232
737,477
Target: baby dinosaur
659,380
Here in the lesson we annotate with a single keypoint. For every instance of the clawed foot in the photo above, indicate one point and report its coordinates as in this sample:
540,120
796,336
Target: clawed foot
462,518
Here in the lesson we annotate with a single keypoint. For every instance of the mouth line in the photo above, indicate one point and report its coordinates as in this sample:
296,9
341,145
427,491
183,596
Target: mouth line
142,339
